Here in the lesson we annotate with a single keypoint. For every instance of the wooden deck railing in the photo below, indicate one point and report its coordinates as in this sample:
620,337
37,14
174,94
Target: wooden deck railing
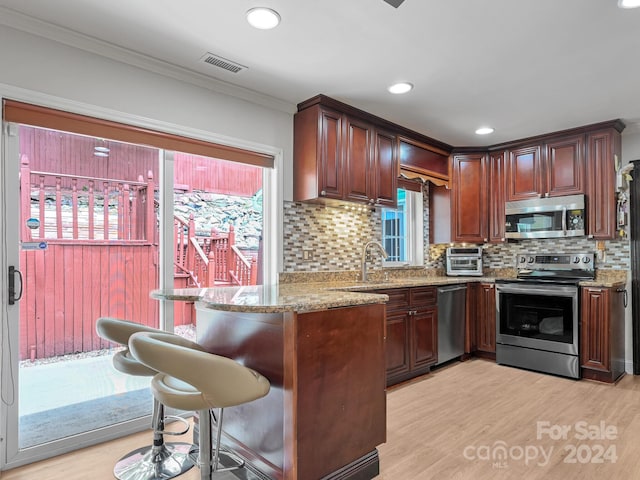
112,210
212,260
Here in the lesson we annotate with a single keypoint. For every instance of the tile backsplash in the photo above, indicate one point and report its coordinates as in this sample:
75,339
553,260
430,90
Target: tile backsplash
329,238
321,238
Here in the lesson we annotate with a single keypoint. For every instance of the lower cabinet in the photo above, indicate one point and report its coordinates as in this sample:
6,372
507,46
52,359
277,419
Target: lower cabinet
412,334
486,318
602,333
481,320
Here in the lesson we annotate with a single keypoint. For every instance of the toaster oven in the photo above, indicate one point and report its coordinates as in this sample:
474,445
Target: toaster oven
464,261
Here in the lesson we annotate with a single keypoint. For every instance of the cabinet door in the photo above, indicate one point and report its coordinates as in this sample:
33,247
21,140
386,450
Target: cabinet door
385,171
497,197
486,318
358,160
330,171
594,335
424,348
397,345
524,173
469,215
602,149
564,166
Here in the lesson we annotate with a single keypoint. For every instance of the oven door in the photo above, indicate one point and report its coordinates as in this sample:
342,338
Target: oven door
461,265
538,316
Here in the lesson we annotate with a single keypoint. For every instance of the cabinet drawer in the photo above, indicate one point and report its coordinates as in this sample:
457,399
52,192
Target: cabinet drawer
420,296
398,298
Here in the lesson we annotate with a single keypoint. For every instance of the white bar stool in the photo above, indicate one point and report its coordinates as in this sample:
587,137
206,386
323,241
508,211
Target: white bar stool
160,460
191,379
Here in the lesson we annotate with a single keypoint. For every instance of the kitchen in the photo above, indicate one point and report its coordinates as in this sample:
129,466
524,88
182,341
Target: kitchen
93,84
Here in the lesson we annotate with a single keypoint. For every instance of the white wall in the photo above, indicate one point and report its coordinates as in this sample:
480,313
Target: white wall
35,64
631,144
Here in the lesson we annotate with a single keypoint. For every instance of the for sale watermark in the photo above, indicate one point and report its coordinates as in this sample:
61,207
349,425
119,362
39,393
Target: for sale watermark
579,443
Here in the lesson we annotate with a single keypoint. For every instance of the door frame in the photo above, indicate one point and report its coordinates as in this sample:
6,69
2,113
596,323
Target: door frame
11,457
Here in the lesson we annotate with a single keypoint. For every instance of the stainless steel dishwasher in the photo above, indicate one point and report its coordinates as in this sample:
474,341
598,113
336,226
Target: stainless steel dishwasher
452,307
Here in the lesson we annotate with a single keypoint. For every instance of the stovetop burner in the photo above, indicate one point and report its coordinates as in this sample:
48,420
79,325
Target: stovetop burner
556,268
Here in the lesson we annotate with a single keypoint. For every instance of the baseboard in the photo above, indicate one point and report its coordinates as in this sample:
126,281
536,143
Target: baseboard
364,468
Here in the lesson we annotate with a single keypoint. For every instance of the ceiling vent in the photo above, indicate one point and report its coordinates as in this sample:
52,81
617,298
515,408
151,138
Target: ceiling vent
220,62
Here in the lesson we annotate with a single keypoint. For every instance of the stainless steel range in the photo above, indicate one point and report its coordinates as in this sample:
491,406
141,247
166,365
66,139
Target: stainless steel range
537,313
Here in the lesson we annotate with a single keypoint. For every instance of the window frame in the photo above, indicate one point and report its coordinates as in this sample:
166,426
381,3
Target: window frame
413,229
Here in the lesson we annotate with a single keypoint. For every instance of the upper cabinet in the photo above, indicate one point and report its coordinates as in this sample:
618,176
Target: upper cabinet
524,173
497,196
579,161
564,166
603,148
469,207
546,169
335,159
478,193
341,153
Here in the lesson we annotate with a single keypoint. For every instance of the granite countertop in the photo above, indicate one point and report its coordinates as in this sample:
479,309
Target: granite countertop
303,297
299,298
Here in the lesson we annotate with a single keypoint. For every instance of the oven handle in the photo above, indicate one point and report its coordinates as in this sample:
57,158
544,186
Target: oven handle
564,221
556,290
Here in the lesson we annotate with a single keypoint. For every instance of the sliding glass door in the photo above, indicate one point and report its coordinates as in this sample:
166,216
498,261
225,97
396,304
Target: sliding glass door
90,226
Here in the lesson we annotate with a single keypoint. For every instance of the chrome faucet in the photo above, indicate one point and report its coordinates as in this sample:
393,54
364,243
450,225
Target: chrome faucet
364,256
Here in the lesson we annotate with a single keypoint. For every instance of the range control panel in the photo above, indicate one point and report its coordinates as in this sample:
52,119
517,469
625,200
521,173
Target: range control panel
568,261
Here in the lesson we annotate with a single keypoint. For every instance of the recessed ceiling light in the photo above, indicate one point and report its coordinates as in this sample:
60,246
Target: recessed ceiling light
628,3
263,18
401,87
484,131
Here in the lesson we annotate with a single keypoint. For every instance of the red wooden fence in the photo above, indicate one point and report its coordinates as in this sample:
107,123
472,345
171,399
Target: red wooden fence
101,259
68,286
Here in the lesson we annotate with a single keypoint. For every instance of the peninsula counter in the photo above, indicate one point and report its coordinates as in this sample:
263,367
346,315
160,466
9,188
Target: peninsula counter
323,352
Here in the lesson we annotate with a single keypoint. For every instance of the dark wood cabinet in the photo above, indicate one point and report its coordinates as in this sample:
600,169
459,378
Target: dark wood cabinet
602,333
564,166
358,160
524,173
603,148
551,168
497,196
480,329
423,323
411,335
339,156
385,171
486,318
469,194
397,334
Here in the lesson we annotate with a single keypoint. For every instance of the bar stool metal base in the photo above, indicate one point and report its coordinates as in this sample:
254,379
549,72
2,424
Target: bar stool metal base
155,463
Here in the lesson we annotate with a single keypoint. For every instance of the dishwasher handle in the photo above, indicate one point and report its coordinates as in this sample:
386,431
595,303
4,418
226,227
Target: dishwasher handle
453,288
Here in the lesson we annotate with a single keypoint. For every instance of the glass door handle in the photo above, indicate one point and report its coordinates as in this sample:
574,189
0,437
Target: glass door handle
12,286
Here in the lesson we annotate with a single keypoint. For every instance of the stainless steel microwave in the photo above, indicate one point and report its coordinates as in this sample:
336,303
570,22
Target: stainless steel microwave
553,217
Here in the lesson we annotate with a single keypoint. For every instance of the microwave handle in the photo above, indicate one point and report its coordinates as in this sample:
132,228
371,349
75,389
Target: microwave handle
564,221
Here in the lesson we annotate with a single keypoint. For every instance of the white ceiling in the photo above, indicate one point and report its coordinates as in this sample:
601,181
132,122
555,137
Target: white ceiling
525,67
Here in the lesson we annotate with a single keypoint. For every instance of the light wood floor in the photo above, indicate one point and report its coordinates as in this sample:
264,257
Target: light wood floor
443,426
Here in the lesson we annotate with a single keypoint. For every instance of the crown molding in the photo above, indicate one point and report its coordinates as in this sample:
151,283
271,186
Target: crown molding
18,21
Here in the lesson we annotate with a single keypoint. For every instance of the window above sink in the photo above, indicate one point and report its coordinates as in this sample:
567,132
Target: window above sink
402,230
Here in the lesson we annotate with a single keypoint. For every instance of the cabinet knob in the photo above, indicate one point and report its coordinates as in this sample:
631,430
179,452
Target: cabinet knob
503,239
486,240
323,193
